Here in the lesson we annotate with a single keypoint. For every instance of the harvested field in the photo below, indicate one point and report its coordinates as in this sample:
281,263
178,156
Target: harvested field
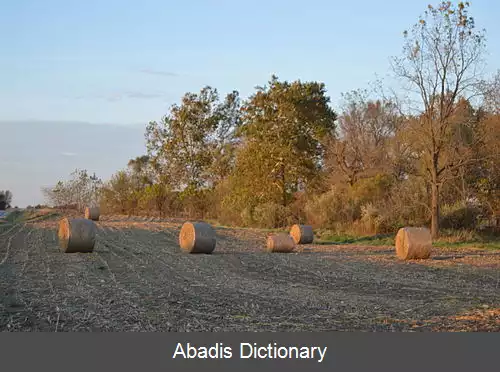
137,279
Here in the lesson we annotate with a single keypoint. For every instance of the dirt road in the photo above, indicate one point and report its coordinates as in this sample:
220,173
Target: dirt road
137,279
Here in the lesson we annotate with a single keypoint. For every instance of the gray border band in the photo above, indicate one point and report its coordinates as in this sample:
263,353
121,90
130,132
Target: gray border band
138,352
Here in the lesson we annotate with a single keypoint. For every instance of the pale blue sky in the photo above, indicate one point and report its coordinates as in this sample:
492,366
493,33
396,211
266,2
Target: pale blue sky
96,60
126,62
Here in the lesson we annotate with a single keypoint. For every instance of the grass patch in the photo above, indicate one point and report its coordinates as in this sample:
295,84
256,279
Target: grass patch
493,245
467,239
329,237
40,217
220,226
14,216
448,239
28,216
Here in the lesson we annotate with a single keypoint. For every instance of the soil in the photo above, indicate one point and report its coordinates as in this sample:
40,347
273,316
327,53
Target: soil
138,279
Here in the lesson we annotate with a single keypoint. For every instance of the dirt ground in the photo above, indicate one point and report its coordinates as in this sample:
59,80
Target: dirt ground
137,279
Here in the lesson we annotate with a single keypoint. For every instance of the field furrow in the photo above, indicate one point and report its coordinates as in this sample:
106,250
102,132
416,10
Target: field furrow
137,279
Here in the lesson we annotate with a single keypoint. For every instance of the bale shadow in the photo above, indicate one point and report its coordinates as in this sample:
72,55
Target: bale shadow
330,243
464,255
446,258
352,252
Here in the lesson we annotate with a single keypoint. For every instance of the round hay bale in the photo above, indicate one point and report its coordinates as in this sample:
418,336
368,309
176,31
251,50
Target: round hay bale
280,243
92,213
302,234
77,235
413,243
197,237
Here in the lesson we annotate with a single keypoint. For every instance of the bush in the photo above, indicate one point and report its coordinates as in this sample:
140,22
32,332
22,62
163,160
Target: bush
370,218
407,204
458,216
271,215
369,190
246,217
331,209
297,207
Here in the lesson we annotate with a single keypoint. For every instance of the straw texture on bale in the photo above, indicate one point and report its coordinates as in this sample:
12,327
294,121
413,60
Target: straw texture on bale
280,243
302,234
92,213
413,243
197,237
77,235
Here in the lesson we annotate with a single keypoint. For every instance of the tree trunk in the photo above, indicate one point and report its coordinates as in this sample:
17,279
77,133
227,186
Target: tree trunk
284,185
435,211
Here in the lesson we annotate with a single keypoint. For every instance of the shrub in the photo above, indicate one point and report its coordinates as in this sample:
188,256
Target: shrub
331,209
271,215
246,217
459,216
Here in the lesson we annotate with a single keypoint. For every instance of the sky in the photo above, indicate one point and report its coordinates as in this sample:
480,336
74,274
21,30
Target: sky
125,62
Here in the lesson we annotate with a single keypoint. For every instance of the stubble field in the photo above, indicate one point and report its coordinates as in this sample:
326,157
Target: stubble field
137,279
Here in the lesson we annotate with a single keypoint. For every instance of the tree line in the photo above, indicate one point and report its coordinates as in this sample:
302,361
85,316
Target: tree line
426,155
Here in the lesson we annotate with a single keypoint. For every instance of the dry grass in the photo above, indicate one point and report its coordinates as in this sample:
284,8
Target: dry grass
476,320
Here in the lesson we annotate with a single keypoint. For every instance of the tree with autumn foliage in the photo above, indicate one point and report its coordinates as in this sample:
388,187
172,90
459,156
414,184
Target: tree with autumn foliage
440,62
285,127
191,145
366,129
283,156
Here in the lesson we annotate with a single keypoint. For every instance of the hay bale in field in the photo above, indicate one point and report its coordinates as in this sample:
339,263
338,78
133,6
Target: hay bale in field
77,235
92,213
280,243
197,237
413,243
302,234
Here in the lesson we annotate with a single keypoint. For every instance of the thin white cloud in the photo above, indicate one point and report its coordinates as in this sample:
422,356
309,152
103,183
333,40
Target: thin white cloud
68,154
114,97
143,95
119,96
158,72
10,162
134,95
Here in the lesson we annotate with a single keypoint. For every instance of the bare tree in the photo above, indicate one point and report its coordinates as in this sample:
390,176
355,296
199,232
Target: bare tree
81,190
492,94
441,61
366,128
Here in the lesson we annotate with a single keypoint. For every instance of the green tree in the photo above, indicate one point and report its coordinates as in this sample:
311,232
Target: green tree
141,170
141,175
159,194
190,146
118,192
285,127
223,142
